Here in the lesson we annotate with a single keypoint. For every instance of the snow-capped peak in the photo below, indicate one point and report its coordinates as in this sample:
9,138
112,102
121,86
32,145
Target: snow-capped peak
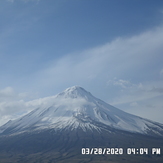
75,88
76,108
74,92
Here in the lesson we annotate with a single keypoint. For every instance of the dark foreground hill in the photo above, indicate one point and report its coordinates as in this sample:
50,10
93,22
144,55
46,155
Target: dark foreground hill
64,146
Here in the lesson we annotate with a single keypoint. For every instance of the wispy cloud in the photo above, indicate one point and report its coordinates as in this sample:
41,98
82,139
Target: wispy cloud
137,92
151,108
121,83
133,61
123,57
144,100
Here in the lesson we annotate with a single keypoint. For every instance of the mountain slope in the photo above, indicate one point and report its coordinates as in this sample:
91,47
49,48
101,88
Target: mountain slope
75,108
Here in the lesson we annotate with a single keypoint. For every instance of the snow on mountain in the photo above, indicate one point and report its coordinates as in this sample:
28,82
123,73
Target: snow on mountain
76,108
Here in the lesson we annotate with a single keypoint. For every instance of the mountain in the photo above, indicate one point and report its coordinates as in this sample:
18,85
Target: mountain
65,123
76,108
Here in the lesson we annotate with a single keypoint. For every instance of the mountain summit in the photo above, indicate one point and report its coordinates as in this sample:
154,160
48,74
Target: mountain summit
75,108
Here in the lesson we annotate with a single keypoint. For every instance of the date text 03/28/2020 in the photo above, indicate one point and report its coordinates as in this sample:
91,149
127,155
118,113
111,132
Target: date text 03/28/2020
120,151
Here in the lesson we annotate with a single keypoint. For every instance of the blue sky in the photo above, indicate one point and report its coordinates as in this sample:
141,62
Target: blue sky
112,48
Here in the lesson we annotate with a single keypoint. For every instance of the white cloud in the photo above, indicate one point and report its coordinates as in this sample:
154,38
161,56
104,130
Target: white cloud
6,92
144,100
121,82
11,110
134,61
137,92
150,108
12,104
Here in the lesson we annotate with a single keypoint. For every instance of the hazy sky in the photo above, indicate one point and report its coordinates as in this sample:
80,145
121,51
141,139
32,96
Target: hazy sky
112,48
